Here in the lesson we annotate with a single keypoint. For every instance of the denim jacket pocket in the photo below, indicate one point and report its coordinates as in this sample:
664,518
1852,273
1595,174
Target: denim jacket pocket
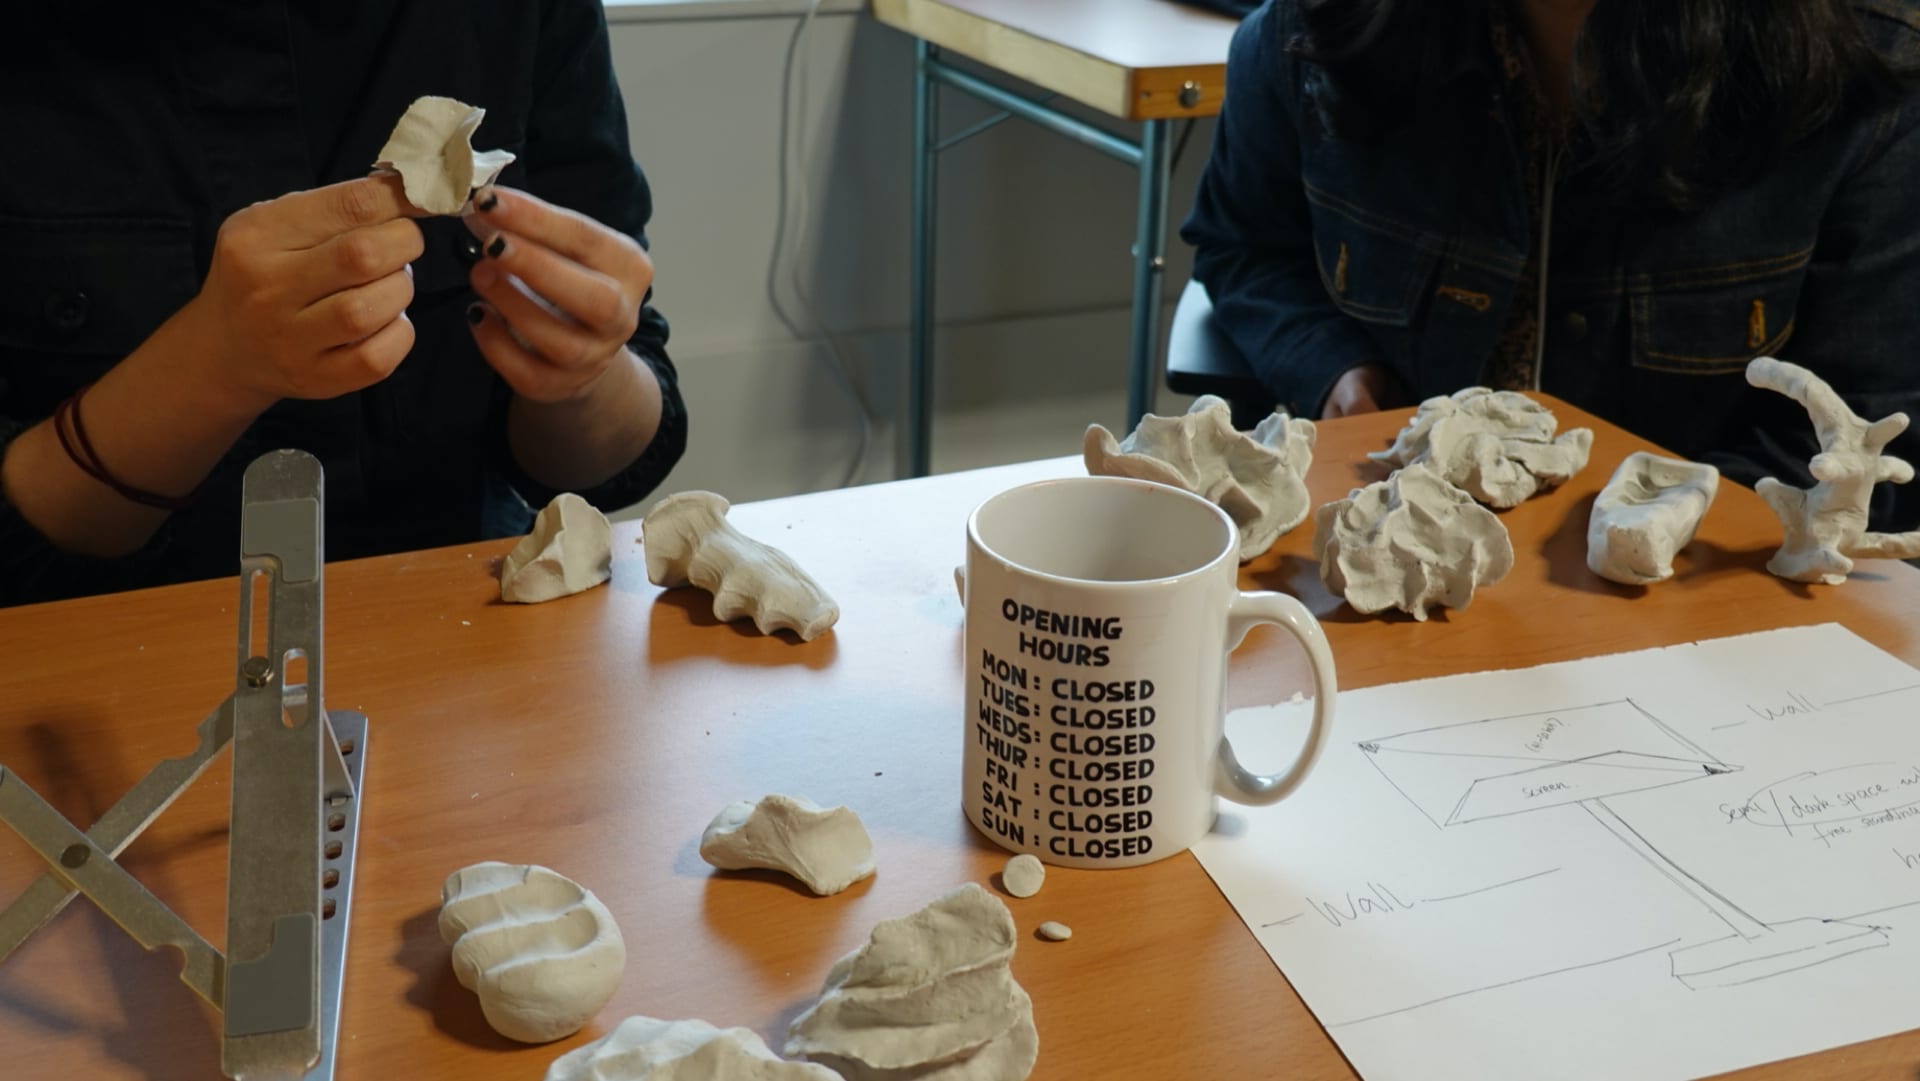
1713,320
1375,270
91,287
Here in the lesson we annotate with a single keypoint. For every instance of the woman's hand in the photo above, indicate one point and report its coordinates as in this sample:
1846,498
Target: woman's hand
1368,388
306,296
560,294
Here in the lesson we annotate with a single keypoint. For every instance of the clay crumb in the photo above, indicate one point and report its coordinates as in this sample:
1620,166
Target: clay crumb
1023,875
1053,931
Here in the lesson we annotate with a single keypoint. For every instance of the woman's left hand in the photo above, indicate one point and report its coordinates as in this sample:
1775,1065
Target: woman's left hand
560,294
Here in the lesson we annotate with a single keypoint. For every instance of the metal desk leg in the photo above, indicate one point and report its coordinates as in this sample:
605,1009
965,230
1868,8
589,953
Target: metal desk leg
1149,268
926,117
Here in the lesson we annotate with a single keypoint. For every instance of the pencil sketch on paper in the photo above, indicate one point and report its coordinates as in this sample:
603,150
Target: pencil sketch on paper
1458,774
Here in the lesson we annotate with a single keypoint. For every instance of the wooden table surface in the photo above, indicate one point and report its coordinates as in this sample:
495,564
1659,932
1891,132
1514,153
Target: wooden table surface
598,734
1127,58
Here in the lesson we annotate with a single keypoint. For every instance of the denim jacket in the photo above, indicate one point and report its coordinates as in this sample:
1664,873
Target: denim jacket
1322,254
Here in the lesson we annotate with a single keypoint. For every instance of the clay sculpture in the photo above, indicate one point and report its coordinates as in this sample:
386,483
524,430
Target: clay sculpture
1643,517
645,1049
1257,477
1409,542
541,951
1826,525
689,540
1497,445
569,550
1055,931
827,849
432,149
1023,875
929,998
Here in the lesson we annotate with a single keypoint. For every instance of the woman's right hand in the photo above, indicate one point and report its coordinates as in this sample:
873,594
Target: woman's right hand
306,296
1368,388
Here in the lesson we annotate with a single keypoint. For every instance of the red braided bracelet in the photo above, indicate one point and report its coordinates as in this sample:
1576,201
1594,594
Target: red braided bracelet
80,449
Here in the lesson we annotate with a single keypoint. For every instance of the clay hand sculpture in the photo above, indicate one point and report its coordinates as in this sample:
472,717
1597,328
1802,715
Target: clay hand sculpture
1648,511
644,1049
1257,477
689,540
432,149
1826,524
929,998
569,550
1497,445
827,849
1409,542
541,951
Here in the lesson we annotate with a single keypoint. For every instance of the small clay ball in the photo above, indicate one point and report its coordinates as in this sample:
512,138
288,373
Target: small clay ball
1055,932
1023,875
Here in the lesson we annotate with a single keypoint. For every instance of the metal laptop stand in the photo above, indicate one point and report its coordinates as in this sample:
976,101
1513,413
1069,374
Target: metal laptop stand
294,818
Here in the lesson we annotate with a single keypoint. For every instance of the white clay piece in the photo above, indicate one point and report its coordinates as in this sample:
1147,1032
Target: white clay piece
930,997
689,540
827,849
432,149
645,1049
570,550
1648,511
1054,931
1409,542
540,950
1826,525
1023,875
1499,446
1257,477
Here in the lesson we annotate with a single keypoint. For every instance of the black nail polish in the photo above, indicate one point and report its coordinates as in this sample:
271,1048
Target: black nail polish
498,247
487,202
475,313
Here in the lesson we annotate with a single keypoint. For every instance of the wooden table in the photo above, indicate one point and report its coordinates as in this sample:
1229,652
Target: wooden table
599,733
1145,61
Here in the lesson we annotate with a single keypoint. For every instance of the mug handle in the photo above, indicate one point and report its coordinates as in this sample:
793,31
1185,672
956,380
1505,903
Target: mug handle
1235,781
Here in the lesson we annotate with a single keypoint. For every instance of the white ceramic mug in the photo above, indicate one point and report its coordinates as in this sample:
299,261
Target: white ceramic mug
1099,615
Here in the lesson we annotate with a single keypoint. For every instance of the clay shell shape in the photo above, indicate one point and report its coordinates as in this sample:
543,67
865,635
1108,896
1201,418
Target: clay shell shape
432,149
1257,477
1648,511
930,996
689,540
539,949
827,849
645,1049
569,550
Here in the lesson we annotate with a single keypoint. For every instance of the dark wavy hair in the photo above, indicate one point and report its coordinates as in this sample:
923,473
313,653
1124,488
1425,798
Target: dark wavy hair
1675,99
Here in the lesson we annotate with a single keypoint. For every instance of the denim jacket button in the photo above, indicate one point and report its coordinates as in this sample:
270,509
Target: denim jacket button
1576,325
66,313
466,248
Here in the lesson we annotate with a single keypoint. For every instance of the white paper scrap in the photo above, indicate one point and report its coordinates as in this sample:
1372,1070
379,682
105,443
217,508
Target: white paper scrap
1657,865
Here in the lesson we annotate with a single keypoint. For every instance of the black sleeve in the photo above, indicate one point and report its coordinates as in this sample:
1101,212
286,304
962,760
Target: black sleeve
577,157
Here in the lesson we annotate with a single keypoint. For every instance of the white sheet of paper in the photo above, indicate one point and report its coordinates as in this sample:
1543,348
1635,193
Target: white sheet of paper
1656,865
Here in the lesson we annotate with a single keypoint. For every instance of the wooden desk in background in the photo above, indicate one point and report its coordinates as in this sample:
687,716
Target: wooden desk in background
598,734
1146,61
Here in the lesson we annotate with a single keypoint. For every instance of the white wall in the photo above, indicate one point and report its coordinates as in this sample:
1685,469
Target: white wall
1033,273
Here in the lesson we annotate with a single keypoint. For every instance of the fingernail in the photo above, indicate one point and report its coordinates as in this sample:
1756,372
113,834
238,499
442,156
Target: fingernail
476,313
498,247
488,200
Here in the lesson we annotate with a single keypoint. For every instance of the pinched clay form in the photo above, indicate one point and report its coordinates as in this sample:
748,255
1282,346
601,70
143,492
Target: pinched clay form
827,849
644,1049
1648,511
539,949
1498,446
1826,524
1409,542
1023,875
432,150
929,997
570,550
1257,477
688,539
